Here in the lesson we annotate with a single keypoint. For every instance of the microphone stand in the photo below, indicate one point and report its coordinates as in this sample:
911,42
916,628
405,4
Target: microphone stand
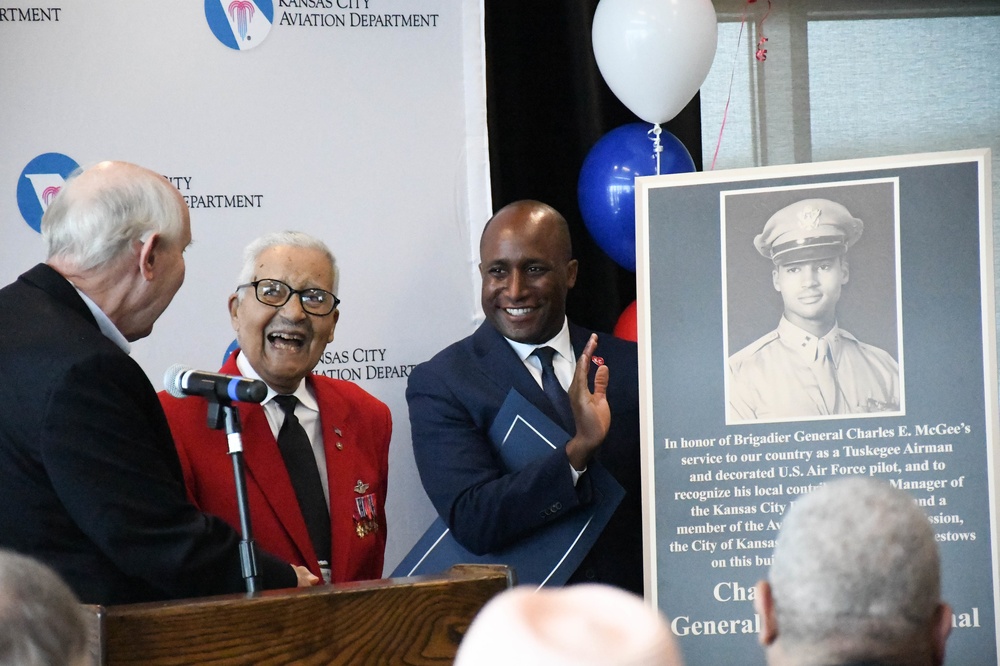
222,415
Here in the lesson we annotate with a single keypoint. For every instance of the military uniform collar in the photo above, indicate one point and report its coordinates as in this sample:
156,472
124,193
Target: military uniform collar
804,343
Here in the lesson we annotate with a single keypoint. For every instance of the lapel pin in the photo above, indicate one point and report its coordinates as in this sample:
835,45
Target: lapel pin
360,487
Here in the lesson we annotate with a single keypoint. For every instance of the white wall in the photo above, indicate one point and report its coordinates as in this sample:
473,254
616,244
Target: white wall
371,137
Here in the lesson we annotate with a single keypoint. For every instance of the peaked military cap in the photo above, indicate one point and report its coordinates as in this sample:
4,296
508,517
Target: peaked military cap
806,230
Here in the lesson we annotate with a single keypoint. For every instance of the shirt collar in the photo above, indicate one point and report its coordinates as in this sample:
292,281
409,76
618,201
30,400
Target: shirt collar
302,392
804,342
560,342
104,323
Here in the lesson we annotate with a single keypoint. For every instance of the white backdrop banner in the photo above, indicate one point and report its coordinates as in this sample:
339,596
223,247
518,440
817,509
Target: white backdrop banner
362,122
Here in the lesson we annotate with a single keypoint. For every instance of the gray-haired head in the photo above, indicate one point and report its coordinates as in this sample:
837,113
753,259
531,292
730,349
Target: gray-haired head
103,209
856,572
41,621
257,247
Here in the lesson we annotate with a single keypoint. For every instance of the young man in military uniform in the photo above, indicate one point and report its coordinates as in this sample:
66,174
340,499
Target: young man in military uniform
809,366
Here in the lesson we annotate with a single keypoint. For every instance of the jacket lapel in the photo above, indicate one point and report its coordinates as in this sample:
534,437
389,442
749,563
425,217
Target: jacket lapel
265,469
499,363
338,444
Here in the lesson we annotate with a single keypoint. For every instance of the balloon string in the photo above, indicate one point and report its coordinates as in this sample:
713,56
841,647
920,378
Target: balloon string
657,148
761,55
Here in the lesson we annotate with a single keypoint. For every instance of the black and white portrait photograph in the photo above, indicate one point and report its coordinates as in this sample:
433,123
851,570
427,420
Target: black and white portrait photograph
811,302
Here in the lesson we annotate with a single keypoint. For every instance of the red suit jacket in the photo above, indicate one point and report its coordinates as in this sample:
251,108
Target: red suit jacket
356,432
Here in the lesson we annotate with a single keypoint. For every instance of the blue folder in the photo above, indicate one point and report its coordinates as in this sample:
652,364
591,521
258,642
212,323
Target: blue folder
548,556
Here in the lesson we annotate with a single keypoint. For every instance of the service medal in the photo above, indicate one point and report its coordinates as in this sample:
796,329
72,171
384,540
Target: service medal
365,514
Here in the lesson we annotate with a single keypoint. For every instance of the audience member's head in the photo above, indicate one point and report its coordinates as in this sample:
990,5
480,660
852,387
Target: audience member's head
855,577
41,621
579,625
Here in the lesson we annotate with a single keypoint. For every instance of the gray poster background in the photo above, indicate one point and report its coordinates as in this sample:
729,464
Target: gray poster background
943,244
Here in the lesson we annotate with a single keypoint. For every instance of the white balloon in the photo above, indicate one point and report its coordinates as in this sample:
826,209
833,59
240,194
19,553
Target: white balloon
655,54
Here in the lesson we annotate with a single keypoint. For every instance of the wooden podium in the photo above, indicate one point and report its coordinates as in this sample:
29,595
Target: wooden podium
418,620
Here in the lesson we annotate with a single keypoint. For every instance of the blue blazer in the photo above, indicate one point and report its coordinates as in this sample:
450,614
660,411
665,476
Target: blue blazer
453,400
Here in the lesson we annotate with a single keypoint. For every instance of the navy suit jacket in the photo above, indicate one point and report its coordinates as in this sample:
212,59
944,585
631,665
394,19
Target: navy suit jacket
453,400
90,479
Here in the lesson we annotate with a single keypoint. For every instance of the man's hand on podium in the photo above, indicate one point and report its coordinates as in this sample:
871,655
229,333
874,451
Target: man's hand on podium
305,578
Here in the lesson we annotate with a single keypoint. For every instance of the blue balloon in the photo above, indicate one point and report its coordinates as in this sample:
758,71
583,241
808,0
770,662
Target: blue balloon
606,189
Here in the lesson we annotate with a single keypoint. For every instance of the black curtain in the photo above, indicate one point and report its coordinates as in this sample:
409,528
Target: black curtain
547,105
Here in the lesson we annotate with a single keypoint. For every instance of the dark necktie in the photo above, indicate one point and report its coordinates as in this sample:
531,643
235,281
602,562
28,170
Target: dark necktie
554,390
301,464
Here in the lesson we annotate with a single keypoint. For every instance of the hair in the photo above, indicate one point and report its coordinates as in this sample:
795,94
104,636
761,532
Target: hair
288,239
101,210
41,621
855,561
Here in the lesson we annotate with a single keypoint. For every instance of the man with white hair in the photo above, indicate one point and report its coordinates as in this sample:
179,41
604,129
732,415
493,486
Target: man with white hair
317,448
91,482
855,579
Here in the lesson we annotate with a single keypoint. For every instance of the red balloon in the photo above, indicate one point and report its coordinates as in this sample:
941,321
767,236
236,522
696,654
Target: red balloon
626,326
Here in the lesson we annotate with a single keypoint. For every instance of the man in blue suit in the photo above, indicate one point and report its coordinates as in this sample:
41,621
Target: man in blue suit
527,269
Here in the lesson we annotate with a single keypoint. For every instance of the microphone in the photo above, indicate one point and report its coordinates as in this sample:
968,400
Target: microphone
181,381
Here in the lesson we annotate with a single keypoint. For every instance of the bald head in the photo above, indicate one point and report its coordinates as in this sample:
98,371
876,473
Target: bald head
527,268
526,216
578,625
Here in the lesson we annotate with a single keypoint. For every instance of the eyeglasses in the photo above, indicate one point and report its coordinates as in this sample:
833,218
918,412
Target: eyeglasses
276,293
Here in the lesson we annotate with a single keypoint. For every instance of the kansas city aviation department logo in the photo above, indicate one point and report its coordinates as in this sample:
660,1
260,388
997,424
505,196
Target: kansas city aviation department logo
39,183
239,24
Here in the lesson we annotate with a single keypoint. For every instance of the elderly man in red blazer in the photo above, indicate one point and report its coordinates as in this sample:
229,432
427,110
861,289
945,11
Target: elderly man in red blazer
316,480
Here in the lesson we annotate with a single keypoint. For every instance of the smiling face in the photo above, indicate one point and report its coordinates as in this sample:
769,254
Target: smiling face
284,344
810,291
527,271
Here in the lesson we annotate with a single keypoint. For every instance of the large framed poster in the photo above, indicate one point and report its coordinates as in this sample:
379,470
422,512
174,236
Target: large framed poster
734,431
